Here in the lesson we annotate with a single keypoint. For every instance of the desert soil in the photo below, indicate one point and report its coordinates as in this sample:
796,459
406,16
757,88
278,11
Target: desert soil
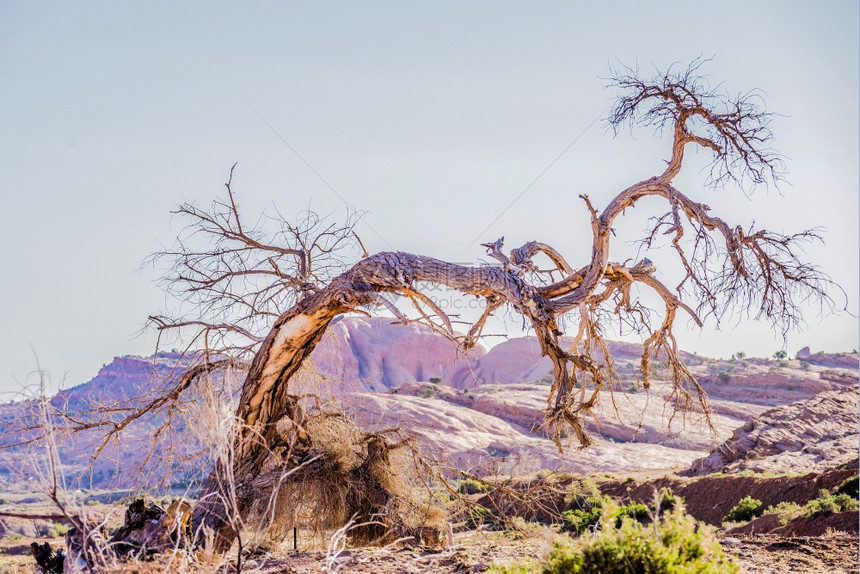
826,543
475,551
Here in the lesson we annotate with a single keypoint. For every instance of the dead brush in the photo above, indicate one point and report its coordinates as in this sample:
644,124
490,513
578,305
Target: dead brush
339,474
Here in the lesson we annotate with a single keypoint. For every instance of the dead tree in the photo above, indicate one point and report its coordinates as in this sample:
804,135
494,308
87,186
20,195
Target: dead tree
268,299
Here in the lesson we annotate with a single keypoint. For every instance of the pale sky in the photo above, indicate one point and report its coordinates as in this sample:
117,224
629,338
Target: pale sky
433,117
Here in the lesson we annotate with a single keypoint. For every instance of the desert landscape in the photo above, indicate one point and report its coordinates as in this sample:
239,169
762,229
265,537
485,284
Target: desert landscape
430,288
786,431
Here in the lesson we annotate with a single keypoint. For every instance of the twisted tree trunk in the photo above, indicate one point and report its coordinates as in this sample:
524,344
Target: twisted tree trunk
265,397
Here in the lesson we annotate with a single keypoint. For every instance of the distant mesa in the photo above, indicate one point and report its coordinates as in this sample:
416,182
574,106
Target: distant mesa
486,407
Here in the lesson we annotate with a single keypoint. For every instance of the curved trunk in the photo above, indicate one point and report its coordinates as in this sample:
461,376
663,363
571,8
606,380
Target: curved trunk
265,398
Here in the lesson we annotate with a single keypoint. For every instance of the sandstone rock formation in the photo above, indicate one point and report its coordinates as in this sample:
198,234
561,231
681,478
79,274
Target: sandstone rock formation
840,360
363,353
457,436
814,434
636,417
486,410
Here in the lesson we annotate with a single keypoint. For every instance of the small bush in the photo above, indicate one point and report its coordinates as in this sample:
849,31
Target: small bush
668,500
428,392
471,486
785,510
579,491
678,545
435,380
849,487
635,510
828,503
724,377
744,511
518,567
581,519
595,508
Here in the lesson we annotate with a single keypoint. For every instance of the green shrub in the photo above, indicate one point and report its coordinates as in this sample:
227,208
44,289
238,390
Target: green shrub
472,486
677,545
785,510
579,520
668,500
518,567
828,503
435,380
595,508
744,511
586,507
579,491
427,392
849,487
635,510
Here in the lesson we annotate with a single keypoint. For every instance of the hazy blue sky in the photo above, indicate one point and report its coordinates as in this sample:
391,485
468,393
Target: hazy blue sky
433,117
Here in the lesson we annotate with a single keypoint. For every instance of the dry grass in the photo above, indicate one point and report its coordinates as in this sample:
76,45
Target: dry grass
348,476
